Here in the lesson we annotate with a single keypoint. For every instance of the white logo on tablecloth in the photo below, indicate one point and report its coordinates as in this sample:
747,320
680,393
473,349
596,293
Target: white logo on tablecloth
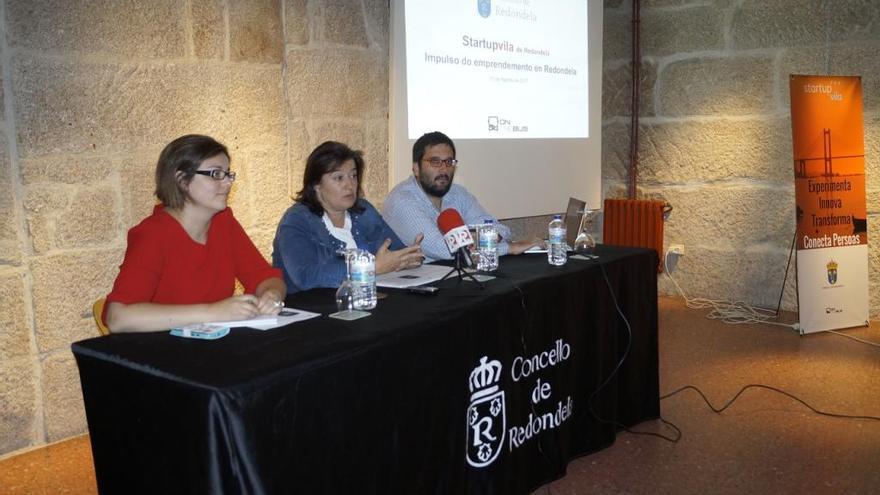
487,428
486,414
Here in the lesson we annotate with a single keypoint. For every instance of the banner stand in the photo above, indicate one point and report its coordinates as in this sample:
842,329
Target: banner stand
831,215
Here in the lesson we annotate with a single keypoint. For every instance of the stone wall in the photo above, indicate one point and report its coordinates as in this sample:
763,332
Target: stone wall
91,92
715,132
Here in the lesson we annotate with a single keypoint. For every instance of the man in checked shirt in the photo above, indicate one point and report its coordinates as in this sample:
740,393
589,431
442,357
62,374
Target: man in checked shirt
413,205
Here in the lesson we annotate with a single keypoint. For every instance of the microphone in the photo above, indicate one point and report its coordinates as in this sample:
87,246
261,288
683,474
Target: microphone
456,235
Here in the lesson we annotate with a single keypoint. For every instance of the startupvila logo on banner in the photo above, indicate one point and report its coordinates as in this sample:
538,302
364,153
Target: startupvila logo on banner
831,266
486,414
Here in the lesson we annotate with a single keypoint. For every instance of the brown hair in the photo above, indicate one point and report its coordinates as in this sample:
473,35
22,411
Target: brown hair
328,157
177,165
430,139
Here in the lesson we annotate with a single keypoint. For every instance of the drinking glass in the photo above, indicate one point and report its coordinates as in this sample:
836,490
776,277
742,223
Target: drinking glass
584,243
345,296
345,292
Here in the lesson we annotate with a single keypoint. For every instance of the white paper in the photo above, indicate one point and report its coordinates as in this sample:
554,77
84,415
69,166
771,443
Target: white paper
402,279
267,322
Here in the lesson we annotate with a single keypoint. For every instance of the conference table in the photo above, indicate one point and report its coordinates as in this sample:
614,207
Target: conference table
471,390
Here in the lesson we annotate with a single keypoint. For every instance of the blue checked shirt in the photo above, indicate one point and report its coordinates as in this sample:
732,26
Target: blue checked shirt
408,212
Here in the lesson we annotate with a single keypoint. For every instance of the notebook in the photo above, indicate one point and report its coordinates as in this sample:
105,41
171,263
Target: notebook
572,219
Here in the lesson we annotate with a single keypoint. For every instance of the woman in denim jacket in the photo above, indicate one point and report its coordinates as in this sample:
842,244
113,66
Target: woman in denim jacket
330,214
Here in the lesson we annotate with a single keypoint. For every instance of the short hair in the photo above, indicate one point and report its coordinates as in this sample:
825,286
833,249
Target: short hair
328,157
178,163
430,139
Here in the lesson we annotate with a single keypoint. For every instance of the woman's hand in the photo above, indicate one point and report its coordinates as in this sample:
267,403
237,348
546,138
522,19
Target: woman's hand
241,307
150,317
390,261
270,296
270,302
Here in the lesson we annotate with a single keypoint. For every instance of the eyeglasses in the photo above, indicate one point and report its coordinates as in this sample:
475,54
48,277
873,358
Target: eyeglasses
217,174
436,162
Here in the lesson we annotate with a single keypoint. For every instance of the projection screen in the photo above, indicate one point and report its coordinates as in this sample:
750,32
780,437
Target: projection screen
515,83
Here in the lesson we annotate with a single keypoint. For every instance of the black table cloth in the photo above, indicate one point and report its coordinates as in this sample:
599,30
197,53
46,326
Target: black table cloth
467,391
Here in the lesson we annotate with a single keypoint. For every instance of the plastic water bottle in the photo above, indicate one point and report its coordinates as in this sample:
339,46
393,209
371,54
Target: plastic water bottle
363,279
487,247
556,254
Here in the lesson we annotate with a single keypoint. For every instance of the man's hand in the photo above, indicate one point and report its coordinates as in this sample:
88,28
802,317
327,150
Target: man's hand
518,247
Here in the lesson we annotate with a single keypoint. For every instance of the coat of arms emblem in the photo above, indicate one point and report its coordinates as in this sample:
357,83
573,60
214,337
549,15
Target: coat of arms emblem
484,7
485,415
831,266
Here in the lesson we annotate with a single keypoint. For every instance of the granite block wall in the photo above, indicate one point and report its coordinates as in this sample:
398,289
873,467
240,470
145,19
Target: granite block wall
91,92
715,131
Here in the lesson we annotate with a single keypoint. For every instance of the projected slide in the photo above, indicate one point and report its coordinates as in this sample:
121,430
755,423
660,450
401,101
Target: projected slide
485,69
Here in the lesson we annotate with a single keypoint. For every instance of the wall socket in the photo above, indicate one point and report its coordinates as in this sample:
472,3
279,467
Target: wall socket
676,249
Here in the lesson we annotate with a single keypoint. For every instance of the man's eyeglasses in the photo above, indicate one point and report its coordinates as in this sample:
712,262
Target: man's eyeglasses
217,174
436,162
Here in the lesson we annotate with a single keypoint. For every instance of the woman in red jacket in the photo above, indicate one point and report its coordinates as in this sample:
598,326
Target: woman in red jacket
182,261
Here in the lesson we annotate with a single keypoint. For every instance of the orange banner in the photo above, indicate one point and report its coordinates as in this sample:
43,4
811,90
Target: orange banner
829,161
829,171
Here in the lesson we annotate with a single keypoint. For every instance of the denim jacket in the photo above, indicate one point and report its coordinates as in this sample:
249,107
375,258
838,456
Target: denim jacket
307,254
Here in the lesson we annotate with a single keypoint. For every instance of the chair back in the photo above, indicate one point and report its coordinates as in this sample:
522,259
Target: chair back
97,311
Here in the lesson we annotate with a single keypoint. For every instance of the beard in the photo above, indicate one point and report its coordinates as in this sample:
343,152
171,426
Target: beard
436,190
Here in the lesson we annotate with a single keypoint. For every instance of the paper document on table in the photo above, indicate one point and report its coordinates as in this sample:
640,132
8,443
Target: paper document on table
288,316
402,279
266,322
256,320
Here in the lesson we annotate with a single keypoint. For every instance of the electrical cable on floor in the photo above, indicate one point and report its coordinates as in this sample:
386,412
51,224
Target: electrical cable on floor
863,341
766,387
739,319
734,313
522,340
669,424
738,313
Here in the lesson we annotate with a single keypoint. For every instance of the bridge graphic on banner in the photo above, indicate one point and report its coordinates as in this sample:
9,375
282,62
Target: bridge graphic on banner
805,168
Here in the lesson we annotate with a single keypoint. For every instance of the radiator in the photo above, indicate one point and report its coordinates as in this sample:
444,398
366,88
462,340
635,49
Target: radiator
634,223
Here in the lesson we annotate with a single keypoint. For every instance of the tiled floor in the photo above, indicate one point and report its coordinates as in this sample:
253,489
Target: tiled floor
61,468
763,443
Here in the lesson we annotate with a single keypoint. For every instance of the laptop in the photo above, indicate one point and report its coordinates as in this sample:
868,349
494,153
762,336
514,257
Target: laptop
572,219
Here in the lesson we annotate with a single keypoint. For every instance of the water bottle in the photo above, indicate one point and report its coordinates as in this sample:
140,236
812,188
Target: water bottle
363,279
556,254
487,247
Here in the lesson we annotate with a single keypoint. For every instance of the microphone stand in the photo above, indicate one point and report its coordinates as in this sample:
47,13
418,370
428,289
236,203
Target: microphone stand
457,268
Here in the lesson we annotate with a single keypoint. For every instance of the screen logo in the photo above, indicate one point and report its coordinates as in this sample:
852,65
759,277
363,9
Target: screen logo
505,125
484,7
